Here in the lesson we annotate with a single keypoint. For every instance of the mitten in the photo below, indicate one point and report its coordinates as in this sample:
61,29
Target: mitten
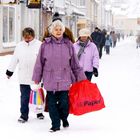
95,72
9,73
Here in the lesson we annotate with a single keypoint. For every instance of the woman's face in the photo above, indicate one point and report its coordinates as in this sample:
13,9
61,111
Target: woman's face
28,38
83,38
57,32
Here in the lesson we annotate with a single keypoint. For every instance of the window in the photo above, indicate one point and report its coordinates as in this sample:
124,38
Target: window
8,24
82,3
5,24
11,24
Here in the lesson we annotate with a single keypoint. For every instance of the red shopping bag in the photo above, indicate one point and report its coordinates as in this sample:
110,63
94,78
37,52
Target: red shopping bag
46,103
85,97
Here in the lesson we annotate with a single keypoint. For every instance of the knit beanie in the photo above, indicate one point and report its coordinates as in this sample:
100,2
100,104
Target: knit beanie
56,16
84,32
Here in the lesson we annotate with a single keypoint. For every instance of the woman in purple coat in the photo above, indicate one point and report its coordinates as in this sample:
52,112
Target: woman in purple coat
87,53
56,64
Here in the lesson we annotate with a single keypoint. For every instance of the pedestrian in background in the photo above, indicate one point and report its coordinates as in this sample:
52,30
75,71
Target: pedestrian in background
87,53
114,39
111,38
138,41
55,64
108,43
96,37
25,56
102,43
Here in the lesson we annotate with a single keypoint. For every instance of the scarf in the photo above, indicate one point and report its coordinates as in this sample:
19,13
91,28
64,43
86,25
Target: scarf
82,47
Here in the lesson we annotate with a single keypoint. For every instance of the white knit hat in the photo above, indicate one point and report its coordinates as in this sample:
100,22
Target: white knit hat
84,32
54,24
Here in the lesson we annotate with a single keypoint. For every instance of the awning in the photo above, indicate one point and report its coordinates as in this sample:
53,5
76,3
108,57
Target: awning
61,12
82,21
78,12
97,1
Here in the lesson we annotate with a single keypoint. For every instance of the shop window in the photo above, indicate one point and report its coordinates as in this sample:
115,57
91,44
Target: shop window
82,3
11,25
5,24
8,24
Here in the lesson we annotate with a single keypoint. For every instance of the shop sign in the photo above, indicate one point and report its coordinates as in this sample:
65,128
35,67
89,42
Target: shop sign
34,3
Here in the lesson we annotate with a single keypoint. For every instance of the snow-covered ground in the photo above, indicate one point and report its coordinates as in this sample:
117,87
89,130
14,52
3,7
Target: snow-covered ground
119,83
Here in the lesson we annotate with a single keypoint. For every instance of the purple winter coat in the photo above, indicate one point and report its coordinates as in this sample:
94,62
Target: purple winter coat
56,64
89,58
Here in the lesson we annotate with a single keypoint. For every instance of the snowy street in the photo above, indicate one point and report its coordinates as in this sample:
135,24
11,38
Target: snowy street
119,83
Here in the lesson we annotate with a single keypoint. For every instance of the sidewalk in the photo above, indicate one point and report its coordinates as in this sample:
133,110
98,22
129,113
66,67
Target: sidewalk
6,53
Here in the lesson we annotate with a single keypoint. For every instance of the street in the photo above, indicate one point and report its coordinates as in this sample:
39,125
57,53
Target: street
119,83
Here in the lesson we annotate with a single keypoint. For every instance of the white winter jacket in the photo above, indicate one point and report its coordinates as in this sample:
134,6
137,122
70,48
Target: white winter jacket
25,55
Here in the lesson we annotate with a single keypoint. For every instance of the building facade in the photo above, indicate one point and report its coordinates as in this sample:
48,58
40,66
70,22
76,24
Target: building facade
125,25
15,17
9,25
75,14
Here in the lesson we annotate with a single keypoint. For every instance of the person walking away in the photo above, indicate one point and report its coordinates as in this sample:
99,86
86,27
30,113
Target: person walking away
118,36
138,41
102,44
108,43
87,53
111,38
55,64
114,38
25,56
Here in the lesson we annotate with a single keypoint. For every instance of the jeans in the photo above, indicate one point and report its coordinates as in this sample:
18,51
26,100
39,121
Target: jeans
107,49
58,107
100,51
24,100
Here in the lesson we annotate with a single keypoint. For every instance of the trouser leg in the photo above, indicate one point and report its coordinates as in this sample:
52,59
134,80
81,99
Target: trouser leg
24,100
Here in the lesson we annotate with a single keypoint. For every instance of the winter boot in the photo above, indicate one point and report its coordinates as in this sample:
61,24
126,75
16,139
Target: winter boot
65,123
40,116
22,120
54,129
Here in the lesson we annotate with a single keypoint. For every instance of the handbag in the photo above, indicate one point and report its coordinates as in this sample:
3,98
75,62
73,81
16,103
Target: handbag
36,101
85,97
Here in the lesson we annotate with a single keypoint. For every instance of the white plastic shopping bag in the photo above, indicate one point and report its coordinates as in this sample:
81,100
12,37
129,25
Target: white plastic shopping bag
37,97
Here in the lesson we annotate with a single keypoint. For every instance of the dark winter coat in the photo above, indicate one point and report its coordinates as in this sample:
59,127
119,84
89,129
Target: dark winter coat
103,39
96,38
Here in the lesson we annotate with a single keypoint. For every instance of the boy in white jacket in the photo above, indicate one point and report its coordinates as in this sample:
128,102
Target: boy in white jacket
25,56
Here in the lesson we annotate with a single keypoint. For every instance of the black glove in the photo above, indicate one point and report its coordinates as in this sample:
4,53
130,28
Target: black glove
95,72
9,73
